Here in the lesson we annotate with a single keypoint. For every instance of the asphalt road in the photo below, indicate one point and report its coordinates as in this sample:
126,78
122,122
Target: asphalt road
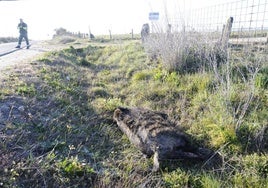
7,48
9,55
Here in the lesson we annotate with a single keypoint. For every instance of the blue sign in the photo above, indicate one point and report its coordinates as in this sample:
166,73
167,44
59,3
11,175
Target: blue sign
153,16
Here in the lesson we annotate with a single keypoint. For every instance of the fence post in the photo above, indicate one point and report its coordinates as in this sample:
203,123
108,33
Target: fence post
110,32
226,31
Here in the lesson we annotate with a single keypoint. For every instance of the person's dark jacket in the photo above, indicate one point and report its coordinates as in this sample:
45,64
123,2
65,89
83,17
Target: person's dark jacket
23,28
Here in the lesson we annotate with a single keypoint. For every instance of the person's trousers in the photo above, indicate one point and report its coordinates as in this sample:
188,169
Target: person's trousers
25,36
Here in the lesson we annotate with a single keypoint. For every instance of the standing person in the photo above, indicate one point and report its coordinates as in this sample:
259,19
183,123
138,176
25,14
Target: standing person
22,26
145,31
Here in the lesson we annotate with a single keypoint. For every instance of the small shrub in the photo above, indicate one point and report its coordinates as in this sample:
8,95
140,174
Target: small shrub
261,80
253,137
25,89
73,167
141,76
103,104
177,178
130,72
185,52
220,136
66,39
83,61
173,78
207,181
98,92
45,60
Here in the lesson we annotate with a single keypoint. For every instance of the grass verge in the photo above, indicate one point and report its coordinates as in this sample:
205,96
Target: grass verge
57,129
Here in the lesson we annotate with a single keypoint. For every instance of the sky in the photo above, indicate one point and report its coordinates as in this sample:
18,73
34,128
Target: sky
100,16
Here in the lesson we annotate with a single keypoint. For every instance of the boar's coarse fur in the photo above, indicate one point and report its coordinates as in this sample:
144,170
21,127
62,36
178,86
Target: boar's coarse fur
154,135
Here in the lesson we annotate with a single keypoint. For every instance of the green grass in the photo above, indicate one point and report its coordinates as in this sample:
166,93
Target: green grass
64,136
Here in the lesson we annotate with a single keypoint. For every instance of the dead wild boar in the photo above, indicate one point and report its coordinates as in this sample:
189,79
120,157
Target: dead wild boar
154,135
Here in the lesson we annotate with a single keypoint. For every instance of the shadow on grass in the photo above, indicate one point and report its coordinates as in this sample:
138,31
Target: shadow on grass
50,133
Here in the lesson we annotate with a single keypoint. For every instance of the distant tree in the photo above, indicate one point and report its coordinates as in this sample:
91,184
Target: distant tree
61,31
7,39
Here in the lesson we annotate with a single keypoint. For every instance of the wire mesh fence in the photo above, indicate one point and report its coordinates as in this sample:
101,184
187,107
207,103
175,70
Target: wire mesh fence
250,19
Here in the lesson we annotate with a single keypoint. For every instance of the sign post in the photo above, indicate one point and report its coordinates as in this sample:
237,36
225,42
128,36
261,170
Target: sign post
153,16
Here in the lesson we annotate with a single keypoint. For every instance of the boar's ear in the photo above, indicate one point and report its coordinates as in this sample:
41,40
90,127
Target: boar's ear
117,113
